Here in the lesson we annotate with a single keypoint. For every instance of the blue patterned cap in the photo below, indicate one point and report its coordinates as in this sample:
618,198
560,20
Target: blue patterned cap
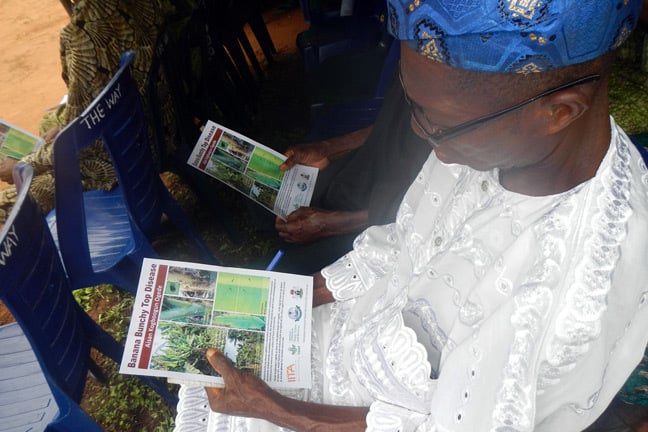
513,36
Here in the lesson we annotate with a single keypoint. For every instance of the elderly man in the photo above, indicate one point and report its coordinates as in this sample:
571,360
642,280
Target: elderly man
510,294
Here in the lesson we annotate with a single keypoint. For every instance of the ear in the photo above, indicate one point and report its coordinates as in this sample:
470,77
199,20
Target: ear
562,109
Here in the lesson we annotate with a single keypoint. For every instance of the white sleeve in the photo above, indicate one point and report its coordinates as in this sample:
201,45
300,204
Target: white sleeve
373,256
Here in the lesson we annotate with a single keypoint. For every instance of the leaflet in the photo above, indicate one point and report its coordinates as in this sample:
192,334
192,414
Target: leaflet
253,169
16,142
260,320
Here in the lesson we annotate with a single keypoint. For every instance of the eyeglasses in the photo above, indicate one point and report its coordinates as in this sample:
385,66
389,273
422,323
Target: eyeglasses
440,135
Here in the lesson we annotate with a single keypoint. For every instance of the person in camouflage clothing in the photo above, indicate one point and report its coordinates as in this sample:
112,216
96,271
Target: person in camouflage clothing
91,45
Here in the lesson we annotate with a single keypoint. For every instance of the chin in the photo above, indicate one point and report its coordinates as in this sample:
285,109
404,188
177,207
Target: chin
457,159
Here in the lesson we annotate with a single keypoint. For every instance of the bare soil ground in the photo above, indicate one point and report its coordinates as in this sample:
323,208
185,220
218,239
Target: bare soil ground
30,72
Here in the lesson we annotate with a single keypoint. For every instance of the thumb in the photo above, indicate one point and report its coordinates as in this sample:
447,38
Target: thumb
290,160
219,362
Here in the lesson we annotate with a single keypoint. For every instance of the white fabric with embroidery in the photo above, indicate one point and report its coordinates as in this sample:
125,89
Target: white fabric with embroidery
483,309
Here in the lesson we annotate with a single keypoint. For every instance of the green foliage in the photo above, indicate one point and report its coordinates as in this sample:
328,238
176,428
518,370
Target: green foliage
124,403
185,348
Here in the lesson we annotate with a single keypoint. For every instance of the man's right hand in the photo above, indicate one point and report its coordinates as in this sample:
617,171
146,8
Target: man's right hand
311,154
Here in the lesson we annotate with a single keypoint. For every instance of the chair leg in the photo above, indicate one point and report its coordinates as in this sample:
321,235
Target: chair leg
260,30
249,51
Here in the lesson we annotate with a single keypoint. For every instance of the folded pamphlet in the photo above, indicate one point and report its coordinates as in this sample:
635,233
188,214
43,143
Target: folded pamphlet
260,320
16,142
253,169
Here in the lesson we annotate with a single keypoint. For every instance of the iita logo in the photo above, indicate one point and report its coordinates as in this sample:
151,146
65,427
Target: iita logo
291,373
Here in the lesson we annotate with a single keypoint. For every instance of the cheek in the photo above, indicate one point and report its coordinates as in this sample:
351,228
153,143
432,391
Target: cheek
482,151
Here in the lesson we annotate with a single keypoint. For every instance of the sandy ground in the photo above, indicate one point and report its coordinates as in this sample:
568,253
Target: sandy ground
30,71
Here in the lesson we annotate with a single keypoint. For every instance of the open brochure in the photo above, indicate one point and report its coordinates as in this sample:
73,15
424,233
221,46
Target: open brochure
253,169
16,142
260,320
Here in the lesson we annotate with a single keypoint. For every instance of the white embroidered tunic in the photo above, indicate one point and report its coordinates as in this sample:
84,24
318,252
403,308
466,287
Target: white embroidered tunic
481,309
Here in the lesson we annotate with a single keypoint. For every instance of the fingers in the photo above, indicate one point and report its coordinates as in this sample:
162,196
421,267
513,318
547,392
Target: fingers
219,362
296,215
290,162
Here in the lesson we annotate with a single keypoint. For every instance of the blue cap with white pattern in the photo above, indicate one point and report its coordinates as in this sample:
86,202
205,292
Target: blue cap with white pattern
513,36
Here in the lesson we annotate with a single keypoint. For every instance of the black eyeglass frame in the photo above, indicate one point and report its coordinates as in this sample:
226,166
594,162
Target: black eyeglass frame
441,135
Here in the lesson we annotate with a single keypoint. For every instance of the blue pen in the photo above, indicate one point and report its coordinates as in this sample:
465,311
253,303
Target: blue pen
275,260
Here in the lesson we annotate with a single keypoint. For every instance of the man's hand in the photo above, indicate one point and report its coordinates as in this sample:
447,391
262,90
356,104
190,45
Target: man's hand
321,294
311,154
310,223
246,395
243,395
6,168
306,224
319,154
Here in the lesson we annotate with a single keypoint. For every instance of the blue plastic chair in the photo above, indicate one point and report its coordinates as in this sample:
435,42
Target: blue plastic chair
26,401
37,292
331,118
331,34
104,235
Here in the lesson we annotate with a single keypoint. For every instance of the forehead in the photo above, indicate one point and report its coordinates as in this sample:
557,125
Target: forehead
432,84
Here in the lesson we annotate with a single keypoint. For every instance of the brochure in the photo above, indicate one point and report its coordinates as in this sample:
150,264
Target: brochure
253,169
16,142
260,320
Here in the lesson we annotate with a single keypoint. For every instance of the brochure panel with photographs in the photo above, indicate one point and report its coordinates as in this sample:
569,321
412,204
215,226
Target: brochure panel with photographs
253,169
15,142
260,320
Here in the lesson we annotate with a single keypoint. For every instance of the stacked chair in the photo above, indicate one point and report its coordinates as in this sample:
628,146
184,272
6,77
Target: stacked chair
45,357
333,32
352,103
350,59
104,235
206,61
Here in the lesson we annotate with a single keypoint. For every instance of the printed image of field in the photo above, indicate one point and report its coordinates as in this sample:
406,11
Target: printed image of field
182,348
220,156
235,146
264,195
243,294
245,349
239,321
190,282
186,310
14,143
264,179
264,167
233,178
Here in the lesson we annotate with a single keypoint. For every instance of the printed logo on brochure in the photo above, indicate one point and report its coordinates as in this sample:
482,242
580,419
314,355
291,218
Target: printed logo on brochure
291,373
295,313
294,349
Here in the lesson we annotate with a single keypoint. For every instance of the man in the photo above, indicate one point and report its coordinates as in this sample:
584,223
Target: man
510,294
363,177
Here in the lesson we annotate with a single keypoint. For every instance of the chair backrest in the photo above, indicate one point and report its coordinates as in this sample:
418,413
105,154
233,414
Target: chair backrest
115,116
36,290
